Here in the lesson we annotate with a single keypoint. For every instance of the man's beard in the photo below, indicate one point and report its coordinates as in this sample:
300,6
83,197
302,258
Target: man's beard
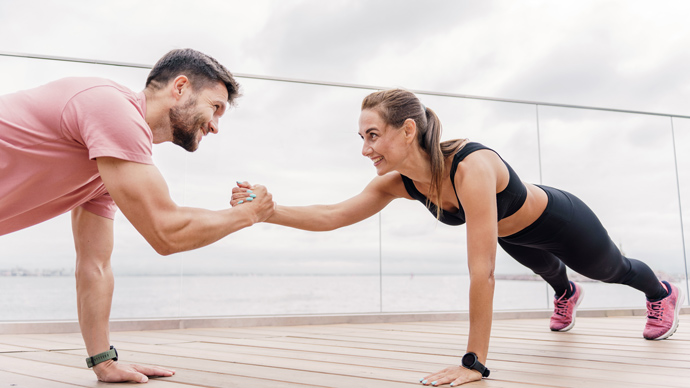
186,125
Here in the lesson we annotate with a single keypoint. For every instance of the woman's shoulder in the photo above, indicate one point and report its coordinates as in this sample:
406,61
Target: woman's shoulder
475,166
469,148
391,184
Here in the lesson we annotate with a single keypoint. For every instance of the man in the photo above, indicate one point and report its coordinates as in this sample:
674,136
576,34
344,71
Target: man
84,145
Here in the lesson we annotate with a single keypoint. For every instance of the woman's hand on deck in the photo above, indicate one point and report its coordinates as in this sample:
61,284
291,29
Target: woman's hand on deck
453,375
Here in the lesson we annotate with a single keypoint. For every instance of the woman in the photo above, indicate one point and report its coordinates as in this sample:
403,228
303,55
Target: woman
461,182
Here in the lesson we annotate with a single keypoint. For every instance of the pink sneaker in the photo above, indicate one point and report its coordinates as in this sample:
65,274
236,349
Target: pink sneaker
563,318
662,316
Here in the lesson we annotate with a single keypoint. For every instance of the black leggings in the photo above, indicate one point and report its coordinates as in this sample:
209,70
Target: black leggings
569,233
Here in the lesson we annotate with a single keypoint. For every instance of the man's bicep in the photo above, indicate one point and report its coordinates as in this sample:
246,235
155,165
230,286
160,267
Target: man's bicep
139,190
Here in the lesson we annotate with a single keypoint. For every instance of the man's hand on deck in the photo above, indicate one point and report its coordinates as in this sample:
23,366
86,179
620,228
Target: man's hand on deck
115,372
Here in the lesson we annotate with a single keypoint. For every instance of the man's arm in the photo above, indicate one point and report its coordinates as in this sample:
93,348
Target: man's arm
93,241
140,191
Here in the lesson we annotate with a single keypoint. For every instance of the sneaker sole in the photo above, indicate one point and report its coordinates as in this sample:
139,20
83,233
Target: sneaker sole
579,300
676,319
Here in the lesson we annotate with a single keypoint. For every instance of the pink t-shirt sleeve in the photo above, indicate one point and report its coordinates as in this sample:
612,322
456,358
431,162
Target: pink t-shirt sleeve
110,123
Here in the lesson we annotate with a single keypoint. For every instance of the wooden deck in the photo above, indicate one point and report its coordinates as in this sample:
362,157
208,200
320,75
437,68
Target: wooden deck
598,352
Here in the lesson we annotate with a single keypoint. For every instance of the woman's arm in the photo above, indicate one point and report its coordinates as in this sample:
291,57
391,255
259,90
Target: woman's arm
375,196
478,195
476,181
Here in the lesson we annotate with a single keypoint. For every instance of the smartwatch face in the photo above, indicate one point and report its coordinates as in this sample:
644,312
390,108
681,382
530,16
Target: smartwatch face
468,360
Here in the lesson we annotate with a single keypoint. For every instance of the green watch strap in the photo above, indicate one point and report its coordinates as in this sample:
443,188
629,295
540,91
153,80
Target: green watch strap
102,357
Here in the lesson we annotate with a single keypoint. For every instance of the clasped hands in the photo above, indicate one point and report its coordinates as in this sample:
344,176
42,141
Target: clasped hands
256,196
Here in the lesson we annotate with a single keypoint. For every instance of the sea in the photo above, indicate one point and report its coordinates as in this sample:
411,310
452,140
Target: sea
40,298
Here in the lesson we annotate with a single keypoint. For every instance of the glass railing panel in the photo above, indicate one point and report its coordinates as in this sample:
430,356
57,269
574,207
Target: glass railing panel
38,283
424,261
622,166
301,142
42,257
682,142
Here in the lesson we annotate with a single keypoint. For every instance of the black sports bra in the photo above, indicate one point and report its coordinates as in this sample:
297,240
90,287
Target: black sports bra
508,201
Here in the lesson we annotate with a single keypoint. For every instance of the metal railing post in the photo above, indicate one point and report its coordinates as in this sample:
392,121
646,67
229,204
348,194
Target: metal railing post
680,208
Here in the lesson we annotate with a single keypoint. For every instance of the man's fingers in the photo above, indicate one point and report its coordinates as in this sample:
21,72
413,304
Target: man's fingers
153,370
124,375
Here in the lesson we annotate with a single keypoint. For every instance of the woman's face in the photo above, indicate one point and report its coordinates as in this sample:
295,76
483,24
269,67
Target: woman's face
383,144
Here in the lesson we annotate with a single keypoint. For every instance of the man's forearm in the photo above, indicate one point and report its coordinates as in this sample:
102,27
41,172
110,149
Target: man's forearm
191,228
94,297
93,242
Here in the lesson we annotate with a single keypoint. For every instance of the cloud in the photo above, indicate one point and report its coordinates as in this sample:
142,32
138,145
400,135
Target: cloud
331,40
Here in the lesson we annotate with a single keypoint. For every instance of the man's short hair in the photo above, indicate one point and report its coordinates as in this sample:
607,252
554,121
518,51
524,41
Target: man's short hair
200,68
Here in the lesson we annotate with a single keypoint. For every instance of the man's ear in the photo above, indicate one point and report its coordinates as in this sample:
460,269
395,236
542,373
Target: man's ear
410,128
179,86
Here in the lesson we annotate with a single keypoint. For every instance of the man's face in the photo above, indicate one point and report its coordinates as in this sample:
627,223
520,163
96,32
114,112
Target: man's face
197,115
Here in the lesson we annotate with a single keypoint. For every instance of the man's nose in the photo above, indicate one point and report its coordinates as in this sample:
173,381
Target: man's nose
213,126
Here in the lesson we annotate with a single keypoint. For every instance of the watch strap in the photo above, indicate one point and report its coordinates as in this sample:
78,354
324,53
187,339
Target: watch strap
476,365
479,367
110,354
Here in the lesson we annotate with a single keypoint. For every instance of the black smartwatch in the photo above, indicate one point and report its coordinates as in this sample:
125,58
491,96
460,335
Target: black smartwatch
470,361
102,357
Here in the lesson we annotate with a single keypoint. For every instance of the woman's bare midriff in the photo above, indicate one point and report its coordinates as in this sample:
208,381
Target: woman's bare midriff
534,206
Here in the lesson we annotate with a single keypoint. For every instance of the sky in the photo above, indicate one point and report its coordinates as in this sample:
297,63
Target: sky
301,141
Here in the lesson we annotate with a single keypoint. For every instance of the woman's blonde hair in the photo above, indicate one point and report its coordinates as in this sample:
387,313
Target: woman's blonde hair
397,105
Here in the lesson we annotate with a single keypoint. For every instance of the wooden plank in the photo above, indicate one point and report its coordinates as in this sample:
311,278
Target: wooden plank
184,377
405,353
308,378
599,352
194,365
330,376
11,349
21,363
564,338
10,379
385,359
556,349
56,373
46,343
539,374
503,379
455,347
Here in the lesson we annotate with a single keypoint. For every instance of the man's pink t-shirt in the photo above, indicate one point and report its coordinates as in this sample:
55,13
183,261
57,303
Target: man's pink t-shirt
50,137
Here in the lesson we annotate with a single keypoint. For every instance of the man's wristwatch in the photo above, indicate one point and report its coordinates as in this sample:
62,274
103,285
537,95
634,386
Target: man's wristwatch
470,361
102,357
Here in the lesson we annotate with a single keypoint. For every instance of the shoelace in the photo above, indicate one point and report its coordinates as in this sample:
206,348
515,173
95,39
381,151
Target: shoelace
561,307
655,310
